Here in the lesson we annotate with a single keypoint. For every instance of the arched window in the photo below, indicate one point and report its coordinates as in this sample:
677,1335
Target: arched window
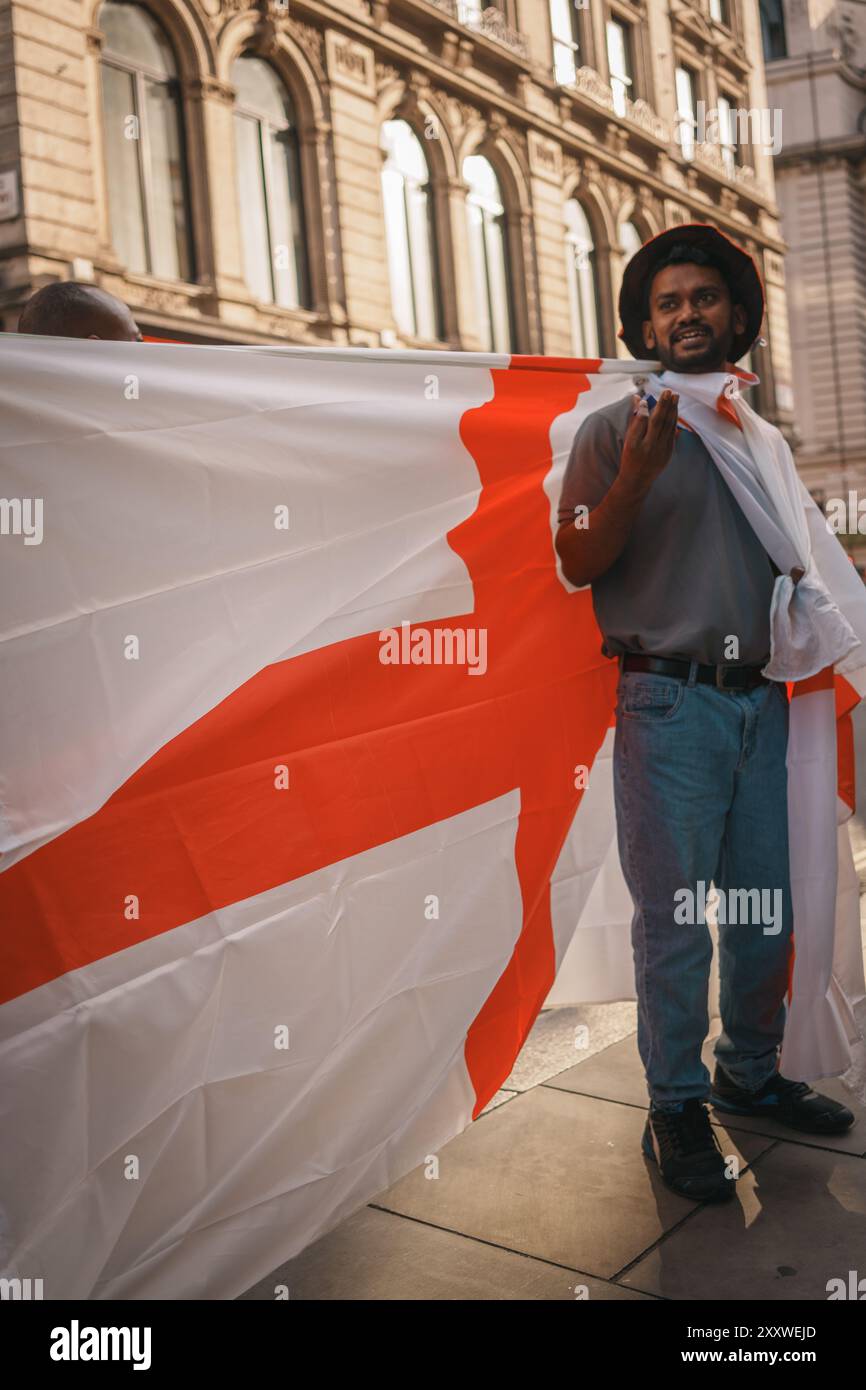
269,186
144,146
582,281
488,254
409,232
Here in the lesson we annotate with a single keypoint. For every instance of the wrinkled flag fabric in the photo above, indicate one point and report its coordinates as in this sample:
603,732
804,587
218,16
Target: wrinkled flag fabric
297,831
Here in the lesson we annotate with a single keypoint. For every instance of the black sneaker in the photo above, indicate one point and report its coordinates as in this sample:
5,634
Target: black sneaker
791,1103
684,1145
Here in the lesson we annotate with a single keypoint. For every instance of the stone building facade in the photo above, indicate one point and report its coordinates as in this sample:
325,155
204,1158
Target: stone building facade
406,163
816,76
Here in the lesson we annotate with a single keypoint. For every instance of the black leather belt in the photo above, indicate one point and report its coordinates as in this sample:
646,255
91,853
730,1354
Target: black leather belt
724,677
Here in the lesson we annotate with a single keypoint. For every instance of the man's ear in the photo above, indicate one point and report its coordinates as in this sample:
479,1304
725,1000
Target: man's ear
649,336
739,318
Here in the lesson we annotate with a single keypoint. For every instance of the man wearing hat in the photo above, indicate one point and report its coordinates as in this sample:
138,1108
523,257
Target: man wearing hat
682,590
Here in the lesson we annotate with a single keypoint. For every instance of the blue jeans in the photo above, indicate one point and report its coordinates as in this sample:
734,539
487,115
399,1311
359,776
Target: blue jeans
700,784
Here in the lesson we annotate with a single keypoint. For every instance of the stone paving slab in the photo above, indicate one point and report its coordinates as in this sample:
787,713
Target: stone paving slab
378,1255
562,1037
798,1221
558,1176
616,1074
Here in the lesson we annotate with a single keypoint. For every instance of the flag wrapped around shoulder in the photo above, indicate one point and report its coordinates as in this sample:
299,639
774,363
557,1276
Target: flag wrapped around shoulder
305,787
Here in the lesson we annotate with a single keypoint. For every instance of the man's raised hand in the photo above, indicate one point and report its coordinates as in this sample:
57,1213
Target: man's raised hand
649,441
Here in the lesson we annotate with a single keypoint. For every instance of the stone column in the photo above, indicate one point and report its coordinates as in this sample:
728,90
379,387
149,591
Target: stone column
326,273
464,290
215,188
357,166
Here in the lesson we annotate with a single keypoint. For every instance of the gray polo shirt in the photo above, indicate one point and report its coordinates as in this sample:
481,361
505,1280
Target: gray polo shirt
692,572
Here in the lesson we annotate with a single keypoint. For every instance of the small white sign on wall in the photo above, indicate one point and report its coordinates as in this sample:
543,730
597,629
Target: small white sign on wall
10,203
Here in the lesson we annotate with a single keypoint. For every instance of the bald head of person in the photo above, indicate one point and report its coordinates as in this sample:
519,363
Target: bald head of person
69,309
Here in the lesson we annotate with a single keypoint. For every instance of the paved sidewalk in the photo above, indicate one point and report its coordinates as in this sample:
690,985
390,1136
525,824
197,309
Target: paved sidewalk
548,1195
548,1191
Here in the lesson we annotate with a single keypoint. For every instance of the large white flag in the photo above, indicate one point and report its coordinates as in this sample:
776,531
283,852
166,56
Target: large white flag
295,828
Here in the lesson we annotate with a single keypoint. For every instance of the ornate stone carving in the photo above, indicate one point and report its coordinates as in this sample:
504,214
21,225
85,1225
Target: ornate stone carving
266,40
545,157
571,168
461,115
350,64
491,23
209,88
163,301
385,73
591,84
642,114
419,84
287,327
615,192
615,137
708,152
675,215
310,40
647,202
691,21
672,173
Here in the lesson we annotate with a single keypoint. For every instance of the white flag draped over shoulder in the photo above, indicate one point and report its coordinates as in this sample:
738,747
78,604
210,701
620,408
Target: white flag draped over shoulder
294,833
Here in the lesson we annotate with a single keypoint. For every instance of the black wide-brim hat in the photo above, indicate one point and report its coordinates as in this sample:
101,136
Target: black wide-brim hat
745,282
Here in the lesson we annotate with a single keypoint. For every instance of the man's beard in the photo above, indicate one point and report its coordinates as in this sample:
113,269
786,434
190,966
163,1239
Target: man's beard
711,359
